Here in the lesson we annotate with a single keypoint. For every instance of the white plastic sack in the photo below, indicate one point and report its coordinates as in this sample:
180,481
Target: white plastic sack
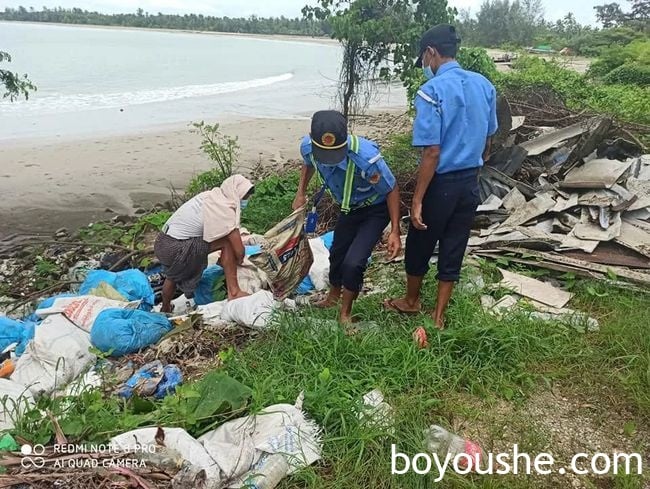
58,354
253,311
212,313
15,399
176,439
320,269
238,445
83,310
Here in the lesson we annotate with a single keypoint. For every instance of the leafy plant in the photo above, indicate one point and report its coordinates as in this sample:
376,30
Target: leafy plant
271,202
478,60
15,86
221,149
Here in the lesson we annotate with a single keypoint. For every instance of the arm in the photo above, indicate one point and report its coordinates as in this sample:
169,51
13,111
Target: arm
306,173
394,240
488,148
235,241
428,165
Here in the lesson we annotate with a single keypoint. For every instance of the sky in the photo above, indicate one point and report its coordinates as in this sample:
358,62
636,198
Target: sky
554,9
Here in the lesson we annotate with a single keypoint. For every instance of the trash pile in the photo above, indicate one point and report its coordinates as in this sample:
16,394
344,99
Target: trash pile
567,192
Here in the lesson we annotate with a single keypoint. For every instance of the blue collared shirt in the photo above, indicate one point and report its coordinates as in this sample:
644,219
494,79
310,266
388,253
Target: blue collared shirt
455,110
372,177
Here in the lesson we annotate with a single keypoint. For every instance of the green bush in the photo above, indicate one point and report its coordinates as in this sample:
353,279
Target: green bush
636,53
593,43
221,149
626,102
271,202
478,60
630,74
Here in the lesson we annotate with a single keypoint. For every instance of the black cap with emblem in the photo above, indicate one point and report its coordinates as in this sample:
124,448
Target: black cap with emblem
440,35
329,137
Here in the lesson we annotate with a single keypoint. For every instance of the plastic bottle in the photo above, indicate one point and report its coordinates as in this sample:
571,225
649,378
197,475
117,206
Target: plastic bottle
269,474
443,443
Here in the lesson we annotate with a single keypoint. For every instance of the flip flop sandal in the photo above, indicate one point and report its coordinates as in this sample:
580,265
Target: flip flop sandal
390,305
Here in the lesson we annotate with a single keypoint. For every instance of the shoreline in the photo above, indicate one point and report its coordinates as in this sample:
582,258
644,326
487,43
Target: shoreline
72,183
267,37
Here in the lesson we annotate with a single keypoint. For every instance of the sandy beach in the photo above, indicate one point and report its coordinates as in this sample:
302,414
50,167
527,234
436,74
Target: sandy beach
50,185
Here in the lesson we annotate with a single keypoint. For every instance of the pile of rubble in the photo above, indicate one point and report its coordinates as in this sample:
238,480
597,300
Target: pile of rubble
571,195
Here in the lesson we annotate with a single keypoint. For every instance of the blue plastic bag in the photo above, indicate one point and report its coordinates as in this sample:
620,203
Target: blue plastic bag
13,331
152,379
207,291
132,284
123,331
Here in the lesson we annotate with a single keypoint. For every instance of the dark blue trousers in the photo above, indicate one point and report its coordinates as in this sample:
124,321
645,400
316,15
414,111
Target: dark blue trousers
448,210
355,236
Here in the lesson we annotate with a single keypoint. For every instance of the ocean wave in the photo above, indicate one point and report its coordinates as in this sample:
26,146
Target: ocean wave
77,102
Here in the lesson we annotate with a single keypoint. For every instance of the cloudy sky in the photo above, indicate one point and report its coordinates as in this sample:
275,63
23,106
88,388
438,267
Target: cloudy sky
583,9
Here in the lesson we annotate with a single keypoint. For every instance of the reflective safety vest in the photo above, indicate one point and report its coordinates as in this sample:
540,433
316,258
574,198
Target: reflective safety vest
349,180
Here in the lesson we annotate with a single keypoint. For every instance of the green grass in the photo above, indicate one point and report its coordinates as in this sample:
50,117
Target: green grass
476,365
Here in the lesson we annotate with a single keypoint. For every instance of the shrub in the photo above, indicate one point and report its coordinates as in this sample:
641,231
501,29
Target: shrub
630,74
637,53
478,60
221,149
271,202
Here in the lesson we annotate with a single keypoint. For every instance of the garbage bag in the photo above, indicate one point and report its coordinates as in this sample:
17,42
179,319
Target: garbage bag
286,256
123,331
132,284
212,287
83,310
153,379
318,278
14,331
58,354
46,303
253,311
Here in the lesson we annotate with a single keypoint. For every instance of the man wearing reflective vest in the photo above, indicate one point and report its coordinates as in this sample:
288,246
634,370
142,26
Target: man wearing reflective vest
352,169
455,120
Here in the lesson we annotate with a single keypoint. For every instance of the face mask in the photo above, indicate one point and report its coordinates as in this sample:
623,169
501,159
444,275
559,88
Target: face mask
243,204
426,69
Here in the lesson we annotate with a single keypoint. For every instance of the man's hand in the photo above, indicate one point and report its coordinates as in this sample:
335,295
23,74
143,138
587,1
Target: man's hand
299,201
416,216
394,245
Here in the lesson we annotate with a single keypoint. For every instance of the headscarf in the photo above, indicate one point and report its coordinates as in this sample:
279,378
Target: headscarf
221,207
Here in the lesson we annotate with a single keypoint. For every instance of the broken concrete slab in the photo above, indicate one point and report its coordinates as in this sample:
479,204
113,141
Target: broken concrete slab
492,203
530,210
535,289
599,198
634,238
562,262
572,242
595,174
508,160
641,189
554,138
517,122
514,199
562,204
593,231
611,253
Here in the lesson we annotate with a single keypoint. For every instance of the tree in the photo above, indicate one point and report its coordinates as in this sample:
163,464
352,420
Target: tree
14,85
610,15
380,40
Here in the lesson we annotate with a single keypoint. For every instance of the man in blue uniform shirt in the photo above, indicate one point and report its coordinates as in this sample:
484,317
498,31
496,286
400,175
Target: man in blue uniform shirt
455,120
352,169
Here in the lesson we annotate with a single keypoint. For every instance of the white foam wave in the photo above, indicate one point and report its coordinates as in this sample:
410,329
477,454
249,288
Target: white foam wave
78,102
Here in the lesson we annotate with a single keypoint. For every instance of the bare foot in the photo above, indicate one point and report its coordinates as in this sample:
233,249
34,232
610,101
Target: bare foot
237,295
440,323
166,309
403,306
327,302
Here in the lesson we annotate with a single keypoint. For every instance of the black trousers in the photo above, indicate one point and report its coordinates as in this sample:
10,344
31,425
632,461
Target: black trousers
355,236
448,210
